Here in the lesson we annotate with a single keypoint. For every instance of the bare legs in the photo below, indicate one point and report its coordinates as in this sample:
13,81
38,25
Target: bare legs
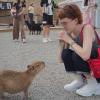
46,32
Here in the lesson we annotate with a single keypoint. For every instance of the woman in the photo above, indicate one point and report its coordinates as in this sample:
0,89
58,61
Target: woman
76,53
18,21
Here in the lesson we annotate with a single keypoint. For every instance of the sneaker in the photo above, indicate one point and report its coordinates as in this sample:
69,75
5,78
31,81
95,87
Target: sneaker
91,88
49,39
76,84
15,40
97,92
24,40
45,40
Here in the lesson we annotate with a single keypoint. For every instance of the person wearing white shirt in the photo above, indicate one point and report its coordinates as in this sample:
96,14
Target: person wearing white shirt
47,19
31,12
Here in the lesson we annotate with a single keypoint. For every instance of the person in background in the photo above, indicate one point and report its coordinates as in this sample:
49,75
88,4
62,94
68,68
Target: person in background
90,11
18,21
76,52
57,13
47,6
13,11
31,12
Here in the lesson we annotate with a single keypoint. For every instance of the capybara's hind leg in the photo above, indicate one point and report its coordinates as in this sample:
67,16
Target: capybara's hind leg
25,94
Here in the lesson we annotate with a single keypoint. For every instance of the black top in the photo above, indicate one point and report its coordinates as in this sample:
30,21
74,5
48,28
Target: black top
94,52
85,2
44,2
19,6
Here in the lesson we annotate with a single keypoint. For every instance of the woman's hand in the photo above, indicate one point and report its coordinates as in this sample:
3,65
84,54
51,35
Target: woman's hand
65,37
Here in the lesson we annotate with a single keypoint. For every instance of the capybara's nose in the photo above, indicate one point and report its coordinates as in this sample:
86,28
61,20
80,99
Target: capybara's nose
43,63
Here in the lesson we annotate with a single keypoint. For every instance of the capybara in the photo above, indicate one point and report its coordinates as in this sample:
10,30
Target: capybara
14,82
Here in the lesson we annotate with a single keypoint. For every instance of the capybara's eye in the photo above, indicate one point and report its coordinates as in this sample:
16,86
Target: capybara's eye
37,65
28,66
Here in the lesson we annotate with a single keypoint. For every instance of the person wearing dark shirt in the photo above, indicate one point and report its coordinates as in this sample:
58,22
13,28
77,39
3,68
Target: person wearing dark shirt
47,6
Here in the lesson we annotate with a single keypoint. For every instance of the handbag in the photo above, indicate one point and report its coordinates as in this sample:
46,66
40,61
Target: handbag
95,65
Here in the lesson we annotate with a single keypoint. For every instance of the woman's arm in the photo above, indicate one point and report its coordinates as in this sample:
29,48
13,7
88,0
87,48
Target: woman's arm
62,45
23,9
88,37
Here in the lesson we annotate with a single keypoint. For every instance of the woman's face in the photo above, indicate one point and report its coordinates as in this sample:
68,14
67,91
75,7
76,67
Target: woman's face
68,24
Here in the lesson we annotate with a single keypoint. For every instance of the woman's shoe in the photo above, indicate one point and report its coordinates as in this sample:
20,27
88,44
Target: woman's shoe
45,40
24,40
16,40
49,39
76,84
91,88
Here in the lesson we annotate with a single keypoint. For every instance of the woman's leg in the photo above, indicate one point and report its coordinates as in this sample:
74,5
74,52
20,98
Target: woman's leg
46,27
73,62
69,66
67,59
30,17
46,31
92,87
79,64
15,28
22,29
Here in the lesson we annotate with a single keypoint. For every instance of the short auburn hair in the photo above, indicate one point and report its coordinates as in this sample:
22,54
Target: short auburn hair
71,11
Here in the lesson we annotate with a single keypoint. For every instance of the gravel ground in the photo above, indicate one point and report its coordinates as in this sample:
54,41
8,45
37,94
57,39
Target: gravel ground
48,84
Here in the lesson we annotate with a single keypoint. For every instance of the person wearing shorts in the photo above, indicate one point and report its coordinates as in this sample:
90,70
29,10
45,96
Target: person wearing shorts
47,6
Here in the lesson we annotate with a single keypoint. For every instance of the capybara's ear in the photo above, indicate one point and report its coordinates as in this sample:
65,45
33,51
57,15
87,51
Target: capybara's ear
28,66
33,68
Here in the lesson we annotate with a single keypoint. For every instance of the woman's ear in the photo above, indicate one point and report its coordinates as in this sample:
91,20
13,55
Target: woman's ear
76,21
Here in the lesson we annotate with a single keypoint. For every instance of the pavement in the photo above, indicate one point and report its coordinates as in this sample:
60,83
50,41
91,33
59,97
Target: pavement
5,28
48,84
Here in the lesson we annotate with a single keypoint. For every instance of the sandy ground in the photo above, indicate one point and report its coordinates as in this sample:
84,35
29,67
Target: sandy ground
48,84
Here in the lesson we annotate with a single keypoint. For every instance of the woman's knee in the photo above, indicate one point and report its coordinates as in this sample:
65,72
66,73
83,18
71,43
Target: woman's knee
80,64
66,54
76,57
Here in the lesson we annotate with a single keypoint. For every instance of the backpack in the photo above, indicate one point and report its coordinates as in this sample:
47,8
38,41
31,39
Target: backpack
94,64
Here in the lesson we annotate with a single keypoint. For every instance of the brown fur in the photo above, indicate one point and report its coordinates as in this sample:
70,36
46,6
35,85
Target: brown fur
14,82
